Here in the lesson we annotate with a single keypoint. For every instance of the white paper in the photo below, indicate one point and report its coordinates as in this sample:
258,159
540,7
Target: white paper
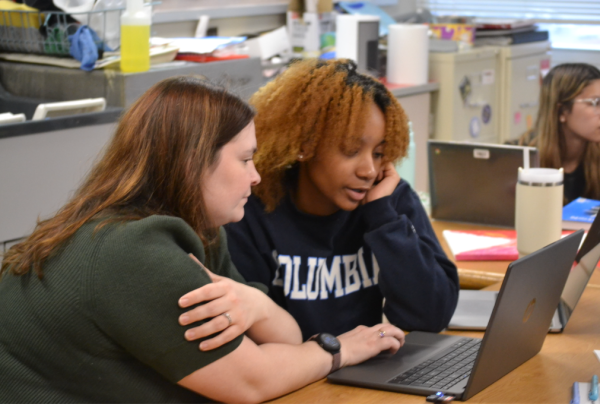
462,242
487,77
584,391
204,45
270,44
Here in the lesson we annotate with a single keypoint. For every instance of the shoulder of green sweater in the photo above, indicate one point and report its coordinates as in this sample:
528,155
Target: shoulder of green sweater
148,225
155,232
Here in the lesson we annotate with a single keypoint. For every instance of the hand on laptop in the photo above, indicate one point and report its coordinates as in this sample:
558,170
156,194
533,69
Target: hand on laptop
386,182
364,342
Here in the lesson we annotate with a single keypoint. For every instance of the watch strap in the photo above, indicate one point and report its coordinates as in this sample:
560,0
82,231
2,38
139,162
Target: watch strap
337,356
337,361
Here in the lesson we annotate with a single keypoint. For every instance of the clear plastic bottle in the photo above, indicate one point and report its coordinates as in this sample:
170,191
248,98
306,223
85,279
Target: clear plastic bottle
406,166
135,37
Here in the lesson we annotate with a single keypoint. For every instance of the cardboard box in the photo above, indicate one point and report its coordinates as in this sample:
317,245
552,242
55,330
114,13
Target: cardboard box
456,32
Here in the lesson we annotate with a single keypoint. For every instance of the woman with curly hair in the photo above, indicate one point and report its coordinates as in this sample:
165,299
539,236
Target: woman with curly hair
567,129
332,230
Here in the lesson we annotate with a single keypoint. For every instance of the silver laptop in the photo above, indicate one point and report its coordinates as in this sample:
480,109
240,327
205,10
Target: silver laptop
526,302
475,306
475,182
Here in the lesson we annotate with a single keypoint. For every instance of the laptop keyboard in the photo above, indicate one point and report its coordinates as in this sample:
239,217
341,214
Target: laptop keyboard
443,372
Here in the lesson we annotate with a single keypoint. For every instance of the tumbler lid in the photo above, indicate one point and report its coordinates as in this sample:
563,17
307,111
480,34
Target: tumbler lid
545,176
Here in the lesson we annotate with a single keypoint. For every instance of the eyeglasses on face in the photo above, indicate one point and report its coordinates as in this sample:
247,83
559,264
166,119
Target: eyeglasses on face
593,102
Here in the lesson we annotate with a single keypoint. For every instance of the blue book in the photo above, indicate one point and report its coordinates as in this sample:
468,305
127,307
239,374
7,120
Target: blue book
580,213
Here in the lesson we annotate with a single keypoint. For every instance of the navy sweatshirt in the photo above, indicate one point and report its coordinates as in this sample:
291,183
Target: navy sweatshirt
332,273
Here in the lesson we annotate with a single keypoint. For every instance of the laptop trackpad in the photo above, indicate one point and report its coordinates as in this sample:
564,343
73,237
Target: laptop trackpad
419,346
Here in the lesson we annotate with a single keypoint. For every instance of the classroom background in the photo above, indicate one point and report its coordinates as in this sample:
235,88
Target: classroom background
473,90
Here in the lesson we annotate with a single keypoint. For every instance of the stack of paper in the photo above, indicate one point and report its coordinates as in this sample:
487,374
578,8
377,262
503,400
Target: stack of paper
482,245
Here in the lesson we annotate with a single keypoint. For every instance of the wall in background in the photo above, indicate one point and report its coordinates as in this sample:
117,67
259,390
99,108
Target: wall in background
179,18
227,26
175,18
560,56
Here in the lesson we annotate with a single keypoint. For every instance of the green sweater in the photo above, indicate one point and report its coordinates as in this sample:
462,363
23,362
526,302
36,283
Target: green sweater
102,325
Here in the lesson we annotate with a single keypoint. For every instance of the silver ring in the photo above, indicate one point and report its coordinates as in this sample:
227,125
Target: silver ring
228,317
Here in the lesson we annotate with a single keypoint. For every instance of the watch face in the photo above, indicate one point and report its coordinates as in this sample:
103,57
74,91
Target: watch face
330,342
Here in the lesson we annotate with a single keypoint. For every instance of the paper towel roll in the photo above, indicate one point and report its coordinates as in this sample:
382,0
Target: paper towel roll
408,54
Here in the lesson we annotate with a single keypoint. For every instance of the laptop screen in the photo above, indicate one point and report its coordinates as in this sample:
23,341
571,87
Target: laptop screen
585,263
475,182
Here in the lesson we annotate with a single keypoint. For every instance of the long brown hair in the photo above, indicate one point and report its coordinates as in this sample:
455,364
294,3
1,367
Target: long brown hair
314,103
559,88
153,165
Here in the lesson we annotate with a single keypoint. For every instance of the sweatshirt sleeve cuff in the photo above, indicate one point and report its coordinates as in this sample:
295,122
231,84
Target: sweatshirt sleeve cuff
379,212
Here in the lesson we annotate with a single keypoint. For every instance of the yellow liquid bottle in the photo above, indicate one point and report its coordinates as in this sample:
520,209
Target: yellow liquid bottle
135,48
135,38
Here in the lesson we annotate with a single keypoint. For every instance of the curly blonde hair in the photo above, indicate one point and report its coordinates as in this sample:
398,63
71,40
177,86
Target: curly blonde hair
315,103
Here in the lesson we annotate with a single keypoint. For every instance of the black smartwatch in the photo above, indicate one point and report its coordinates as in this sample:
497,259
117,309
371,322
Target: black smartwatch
332,345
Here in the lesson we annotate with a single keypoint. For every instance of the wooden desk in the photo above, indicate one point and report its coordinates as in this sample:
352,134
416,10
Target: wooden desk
490,266
546,378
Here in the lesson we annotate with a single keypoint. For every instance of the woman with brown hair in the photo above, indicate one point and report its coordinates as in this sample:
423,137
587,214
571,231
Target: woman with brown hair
88,302
332,230
567,129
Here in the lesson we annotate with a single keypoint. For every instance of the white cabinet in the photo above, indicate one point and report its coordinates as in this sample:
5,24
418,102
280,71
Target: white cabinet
520,70
40,171
466,106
